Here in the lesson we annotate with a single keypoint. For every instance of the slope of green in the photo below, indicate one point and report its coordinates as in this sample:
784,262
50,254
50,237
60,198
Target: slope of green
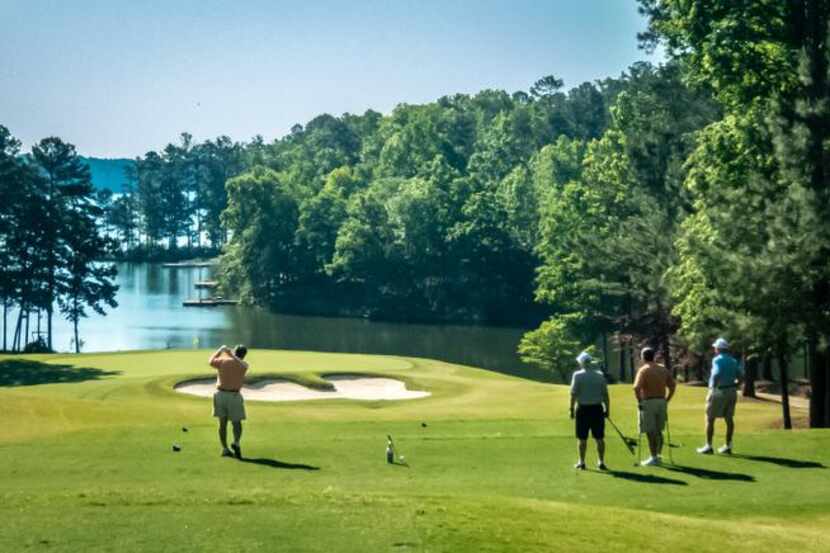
88,466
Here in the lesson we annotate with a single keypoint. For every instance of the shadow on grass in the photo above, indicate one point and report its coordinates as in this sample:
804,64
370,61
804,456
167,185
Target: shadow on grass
25,372
275,464
781,461
707,474
643,478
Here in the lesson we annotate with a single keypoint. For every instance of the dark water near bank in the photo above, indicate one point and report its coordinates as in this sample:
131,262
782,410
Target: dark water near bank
150,316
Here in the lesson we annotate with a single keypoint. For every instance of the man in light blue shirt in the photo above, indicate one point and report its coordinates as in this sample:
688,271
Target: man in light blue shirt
726,376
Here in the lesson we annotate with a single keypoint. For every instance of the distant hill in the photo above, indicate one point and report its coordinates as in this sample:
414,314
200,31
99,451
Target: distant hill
108,173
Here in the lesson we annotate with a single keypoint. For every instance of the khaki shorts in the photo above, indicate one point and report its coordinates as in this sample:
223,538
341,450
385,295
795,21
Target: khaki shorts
721,403
653,416
229,405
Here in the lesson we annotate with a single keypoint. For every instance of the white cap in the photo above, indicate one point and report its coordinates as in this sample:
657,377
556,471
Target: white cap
720,343
583,358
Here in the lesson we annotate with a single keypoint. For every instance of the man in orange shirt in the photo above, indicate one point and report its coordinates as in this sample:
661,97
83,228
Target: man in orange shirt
650,387
227,400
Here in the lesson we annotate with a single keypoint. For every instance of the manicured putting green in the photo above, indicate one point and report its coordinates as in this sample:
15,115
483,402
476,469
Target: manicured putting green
88,465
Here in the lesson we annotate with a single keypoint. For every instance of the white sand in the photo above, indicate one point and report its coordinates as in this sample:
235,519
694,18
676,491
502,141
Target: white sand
345,387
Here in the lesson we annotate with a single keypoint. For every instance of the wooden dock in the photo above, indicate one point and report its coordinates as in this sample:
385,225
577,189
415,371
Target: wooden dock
209,302
206,284
188,264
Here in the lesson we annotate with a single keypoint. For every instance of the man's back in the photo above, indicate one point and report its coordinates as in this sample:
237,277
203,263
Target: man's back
725,371
652,380
589,387
230,372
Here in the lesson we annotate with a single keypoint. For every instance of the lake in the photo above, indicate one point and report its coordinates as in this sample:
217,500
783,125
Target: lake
150,315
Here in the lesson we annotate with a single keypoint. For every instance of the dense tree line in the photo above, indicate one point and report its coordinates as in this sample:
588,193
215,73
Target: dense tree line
703,208
173,199
429,213
753,254
50,242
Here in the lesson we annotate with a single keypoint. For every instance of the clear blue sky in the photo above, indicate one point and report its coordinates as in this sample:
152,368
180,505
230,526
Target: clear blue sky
118,78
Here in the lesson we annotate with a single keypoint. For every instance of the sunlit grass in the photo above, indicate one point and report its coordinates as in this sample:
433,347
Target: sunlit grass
88,466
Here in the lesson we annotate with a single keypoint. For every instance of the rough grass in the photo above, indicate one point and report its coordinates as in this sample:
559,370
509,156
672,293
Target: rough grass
88,466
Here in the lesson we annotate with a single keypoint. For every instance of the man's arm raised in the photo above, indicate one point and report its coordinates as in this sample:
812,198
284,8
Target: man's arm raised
241,362
217,354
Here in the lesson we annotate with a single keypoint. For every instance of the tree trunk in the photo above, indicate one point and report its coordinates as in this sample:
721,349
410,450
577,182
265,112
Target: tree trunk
26,334
17,328
751,365
818,383
77,344
75,324
52,267
622,360
825,366
785,389
49,327
812,23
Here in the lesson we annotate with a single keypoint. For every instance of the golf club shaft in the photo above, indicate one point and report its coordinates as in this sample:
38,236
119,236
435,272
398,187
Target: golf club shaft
622,436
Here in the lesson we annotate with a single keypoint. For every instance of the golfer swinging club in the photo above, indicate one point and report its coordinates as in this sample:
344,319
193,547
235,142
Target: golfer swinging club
650,387
589,391
726,376
227,400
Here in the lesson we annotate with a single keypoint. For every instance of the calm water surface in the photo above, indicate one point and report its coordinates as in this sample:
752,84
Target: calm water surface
150,315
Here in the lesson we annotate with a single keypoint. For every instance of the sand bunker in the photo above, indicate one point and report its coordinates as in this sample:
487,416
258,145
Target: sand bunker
345,387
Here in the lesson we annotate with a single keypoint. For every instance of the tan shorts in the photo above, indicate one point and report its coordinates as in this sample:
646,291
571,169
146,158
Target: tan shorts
229,405
653,416
721,403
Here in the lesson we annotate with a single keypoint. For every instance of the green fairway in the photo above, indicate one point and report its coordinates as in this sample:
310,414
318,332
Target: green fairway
88,465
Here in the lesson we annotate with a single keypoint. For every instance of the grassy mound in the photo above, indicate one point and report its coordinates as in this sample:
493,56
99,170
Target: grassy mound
88,466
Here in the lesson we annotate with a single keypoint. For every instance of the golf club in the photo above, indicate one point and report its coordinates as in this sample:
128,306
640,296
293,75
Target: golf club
629,445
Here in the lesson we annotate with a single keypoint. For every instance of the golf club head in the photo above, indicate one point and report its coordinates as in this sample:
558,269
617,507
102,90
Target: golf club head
629,442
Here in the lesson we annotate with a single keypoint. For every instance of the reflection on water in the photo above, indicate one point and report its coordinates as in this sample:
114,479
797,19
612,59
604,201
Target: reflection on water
150,316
